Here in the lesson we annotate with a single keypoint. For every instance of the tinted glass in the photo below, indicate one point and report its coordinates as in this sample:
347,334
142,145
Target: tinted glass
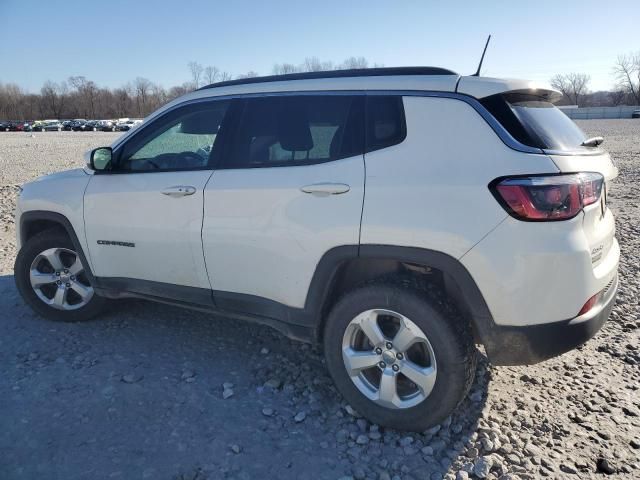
545,122
180,140
535,122
385,122
296,130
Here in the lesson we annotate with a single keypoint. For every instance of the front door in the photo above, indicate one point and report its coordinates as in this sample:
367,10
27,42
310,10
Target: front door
143,218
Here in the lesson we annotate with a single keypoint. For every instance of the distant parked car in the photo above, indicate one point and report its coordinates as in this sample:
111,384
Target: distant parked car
4,126
635,114
19,126
76,125
107,125
51,126
13,126
69,124
91,125
128,125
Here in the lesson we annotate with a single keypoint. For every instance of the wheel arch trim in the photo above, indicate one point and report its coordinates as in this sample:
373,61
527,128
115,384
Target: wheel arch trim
32,216
463,284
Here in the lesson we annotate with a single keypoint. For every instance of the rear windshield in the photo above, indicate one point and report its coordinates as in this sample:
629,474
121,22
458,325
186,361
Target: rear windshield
534,121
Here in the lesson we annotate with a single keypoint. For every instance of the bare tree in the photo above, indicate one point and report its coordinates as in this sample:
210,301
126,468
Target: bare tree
249,74
572,85
53,98
196,72
87,91
11,101
225,76
627,73
354,62
142,86
617,97
313,64
123,101
284,68
211,74
178,91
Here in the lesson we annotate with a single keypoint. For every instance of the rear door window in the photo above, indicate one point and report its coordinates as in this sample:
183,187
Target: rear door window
386,124
296,130
535,122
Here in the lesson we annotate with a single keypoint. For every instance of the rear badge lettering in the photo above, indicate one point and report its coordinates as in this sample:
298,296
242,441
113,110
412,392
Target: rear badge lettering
116,244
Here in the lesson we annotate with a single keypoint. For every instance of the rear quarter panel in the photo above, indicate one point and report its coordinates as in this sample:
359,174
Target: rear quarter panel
431,190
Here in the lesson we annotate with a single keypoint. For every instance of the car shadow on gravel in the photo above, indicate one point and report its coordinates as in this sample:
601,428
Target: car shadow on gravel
152,391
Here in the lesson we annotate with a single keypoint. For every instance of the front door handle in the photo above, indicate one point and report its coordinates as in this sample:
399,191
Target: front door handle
326,189
179,190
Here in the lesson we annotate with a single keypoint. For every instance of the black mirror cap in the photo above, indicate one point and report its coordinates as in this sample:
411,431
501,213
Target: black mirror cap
100,159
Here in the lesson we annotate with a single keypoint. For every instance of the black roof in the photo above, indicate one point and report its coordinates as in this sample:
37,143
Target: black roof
356,72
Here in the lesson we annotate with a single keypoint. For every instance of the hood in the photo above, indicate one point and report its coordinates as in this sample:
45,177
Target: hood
67,174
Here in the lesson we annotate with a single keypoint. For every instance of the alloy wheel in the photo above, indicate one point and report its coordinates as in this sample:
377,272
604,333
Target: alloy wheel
58,278
389,359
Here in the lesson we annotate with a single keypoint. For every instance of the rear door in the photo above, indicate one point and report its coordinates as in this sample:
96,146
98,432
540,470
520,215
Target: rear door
289,189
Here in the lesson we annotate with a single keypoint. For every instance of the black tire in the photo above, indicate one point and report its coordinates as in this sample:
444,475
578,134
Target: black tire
40,242
449,335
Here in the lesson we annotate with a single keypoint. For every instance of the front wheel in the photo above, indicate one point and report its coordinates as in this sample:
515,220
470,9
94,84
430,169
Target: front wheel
399,355
53,281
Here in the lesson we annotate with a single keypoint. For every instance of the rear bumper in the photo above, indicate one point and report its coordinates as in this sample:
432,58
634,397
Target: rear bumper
526,345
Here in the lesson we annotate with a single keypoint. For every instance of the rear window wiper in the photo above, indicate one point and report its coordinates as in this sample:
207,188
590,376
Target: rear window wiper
592,142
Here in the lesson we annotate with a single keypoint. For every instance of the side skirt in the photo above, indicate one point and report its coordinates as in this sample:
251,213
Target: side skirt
287,320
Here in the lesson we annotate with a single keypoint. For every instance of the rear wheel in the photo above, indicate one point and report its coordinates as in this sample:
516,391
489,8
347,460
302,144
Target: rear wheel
52,279
399,355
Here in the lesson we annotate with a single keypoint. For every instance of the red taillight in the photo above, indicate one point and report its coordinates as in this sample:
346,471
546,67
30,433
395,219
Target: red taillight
552,197
589,304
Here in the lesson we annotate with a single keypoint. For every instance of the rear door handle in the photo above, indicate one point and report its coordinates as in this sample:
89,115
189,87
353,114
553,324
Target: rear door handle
179,190
325,189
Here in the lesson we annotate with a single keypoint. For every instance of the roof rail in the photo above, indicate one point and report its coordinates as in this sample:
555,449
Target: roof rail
356,72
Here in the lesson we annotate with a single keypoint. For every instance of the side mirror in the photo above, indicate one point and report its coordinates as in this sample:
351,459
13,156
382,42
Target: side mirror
100,159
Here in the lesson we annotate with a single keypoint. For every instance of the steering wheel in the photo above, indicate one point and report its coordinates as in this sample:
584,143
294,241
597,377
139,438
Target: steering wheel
192,157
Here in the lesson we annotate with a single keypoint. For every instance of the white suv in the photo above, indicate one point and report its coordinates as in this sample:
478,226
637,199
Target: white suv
398,216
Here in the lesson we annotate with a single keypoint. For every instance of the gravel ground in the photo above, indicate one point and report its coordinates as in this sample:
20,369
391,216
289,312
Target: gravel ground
150,391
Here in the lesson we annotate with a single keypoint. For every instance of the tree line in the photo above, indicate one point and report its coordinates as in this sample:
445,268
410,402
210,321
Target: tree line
80,97
575,86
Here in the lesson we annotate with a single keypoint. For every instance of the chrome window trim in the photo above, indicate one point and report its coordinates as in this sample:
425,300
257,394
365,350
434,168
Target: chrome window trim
496,126
573,153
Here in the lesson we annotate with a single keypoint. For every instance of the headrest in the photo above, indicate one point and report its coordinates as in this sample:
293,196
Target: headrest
294,134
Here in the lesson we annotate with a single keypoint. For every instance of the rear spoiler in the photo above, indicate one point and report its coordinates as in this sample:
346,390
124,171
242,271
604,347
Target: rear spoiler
480,87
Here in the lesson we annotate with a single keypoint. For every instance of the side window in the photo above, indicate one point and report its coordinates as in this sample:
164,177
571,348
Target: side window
296,130
183,139
386,124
